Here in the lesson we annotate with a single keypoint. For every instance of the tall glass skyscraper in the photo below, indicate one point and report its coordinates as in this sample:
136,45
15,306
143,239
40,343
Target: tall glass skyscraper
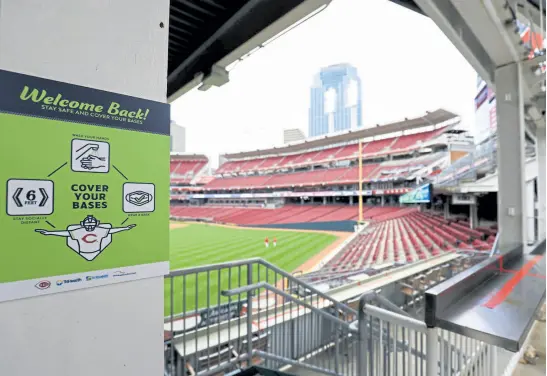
335,100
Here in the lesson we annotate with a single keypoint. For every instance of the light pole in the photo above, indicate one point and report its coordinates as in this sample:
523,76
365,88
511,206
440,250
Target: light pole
360,182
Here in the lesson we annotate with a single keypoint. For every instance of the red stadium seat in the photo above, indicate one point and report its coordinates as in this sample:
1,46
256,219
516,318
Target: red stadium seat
184,169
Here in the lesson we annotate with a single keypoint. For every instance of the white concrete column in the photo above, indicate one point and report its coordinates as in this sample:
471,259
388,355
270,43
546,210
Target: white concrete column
446,210
511,162
541,191
116,46
473,216
382,200
530,208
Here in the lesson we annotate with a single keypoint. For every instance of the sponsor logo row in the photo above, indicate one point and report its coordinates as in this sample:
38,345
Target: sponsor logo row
45,284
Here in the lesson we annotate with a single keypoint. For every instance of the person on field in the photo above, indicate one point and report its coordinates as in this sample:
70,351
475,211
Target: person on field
275,242
266,242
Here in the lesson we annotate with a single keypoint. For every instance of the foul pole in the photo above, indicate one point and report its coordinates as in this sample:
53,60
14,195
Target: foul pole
360,181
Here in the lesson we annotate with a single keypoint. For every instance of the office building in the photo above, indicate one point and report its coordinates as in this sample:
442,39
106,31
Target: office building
335,101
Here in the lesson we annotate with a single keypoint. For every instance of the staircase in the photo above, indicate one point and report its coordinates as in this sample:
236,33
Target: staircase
260,315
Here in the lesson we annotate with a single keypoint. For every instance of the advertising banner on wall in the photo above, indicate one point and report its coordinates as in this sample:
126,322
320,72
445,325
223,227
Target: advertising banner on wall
485,115
421,195
80,172
368,192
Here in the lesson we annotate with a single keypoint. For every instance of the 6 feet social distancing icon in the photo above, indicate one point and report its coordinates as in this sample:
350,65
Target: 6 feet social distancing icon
29,197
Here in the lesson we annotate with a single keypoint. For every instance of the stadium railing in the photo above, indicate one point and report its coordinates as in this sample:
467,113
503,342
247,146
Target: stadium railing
231,315
394,344
484,156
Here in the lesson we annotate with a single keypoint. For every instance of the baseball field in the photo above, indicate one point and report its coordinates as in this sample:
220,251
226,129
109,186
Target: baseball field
202,244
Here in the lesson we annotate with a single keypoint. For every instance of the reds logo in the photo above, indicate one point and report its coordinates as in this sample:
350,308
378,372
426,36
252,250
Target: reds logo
90,238
42,285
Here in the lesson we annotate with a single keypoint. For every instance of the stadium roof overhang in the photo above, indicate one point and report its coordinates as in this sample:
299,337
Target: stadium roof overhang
431,118
206,36
188,156
486,34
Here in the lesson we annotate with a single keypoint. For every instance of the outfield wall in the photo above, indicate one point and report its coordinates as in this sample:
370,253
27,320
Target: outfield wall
344,226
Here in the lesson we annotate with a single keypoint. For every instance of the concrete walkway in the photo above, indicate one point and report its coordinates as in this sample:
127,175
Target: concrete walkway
537,339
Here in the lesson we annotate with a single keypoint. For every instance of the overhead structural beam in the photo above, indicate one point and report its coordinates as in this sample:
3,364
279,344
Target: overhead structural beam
255,25
449,20
409,5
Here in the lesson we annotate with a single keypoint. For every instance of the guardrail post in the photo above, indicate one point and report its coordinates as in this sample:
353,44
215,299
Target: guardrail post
337,333
250,315
432,352
336,349
362,346
171,340
493,359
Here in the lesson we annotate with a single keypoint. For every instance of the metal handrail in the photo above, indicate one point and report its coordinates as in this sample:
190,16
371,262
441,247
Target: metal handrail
406,321
302,303
381,301
259,261
326,277
267,286
382,314
444,351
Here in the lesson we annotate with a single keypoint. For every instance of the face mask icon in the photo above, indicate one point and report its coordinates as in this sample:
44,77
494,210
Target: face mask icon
138,198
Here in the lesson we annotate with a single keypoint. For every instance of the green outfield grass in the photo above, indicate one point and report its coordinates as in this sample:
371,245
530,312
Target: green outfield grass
202,244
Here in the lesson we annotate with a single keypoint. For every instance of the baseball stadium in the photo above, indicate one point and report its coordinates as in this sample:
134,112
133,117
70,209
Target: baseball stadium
401,248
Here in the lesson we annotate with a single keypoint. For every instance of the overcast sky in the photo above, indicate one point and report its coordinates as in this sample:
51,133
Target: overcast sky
406,64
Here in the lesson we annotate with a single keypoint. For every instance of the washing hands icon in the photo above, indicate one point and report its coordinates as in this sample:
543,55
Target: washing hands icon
91,162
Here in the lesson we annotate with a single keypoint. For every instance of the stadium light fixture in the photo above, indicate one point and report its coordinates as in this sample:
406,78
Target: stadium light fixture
218,77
